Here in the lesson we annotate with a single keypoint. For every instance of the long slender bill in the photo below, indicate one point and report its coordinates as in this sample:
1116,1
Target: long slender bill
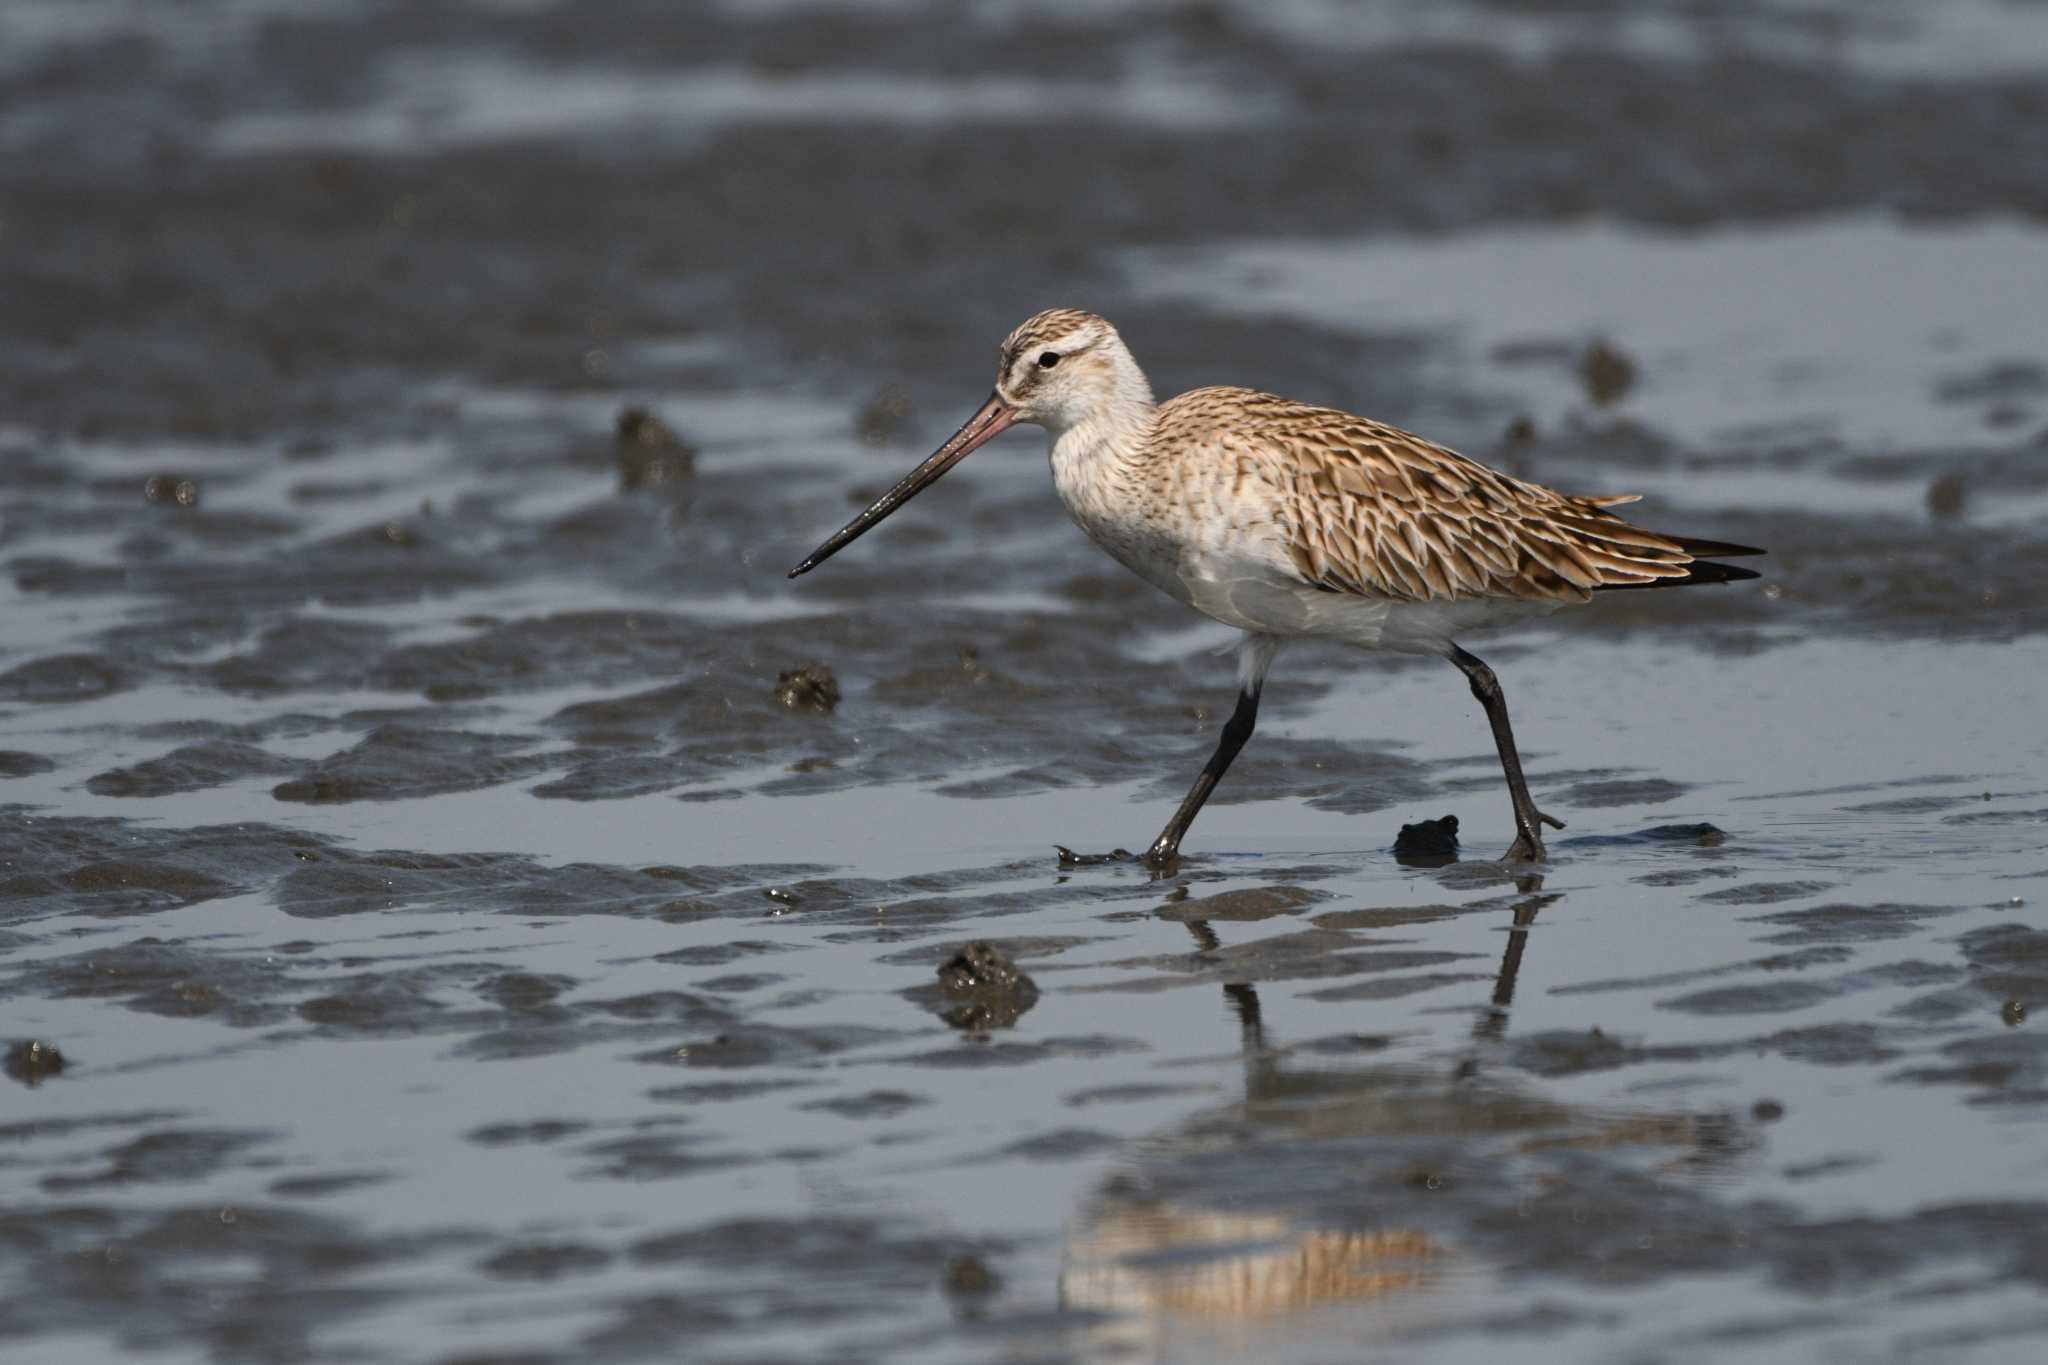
995,416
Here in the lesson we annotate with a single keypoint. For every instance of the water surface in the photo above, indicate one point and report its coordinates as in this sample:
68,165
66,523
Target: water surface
457,950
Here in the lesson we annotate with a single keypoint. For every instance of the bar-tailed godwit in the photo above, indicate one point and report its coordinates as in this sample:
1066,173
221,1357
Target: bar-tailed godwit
1291,522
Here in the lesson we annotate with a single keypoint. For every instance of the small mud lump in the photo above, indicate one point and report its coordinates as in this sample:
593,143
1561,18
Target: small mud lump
1948,497
969,1276
1607,373
810,688
981,967
979,989
1428,843
650,454
34,1062
171,490
1704,835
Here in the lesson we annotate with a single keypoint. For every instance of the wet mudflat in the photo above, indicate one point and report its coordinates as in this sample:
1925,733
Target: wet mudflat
458,902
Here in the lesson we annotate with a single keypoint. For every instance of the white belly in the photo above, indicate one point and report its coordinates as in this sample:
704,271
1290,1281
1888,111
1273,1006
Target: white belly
1252,595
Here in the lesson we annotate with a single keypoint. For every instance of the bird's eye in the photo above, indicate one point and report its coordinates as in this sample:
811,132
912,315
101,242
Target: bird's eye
1048,359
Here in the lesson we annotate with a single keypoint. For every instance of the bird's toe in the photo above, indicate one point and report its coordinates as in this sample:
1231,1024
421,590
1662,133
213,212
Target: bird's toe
1069,858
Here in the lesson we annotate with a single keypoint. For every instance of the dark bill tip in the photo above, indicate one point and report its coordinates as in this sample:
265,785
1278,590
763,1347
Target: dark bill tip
993,417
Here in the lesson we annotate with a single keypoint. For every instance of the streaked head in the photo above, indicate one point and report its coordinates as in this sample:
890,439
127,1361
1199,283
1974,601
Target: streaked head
1060,368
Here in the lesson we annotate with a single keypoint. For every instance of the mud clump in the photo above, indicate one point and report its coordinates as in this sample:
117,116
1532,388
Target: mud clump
1243,906
63,678
171,490
968,1277
1703,835
33,1062
881,419
1948,497
810,688
979,988
980,967
1428,843
190,767
1607,373
18,763
650,454
394,762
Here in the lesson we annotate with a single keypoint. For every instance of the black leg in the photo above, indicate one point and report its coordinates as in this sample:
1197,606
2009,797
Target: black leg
1529,821
1236,731
1244,998
1166,848
1262,1076
1254,656
1494,1022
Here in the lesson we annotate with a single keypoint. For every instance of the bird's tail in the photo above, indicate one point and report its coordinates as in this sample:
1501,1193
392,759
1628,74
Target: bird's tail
1700,570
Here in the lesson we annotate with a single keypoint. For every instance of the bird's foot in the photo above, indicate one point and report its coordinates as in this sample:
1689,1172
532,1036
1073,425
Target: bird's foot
1160,860
1156,859
1528,845
1069,858
1164,855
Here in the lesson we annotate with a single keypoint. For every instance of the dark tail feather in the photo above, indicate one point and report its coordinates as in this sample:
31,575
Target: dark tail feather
1720,549
1699,571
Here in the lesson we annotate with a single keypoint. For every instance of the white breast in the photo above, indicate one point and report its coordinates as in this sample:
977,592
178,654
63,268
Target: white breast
1104,501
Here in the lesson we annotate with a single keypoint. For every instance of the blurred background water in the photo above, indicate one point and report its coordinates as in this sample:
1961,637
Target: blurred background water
442,922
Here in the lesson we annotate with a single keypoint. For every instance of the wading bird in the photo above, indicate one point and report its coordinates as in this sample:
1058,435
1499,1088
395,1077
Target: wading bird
1291,522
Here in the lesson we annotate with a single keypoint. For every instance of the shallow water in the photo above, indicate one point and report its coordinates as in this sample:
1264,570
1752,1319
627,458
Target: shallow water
1738,331
457,951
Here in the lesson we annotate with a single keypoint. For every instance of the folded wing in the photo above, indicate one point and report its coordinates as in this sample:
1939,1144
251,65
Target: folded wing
1369,509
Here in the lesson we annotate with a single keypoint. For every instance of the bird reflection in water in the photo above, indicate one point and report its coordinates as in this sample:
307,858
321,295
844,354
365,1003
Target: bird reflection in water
1150,1259
1233,1267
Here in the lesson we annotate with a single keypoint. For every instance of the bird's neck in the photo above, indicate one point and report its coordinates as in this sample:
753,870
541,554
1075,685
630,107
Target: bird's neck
1095,456
1095,448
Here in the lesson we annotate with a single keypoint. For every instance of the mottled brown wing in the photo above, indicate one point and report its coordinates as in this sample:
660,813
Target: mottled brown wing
1370,509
